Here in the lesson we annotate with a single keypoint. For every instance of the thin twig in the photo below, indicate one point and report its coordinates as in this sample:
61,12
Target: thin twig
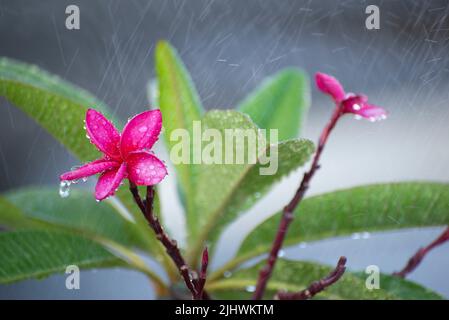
317,286
287,213
169,244
416,259
203,273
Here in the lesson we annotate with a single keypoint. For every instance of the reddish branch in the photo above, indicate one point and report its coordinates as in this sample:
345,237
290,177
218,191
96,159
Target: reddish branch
203,273
287,213
317,286
416,259
169,244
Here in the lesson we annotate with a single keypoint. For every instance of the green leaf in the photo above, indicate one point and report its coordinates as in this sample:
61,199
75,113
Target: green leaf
225,190
280,102
404,289
293,276
36,254
367,208
180,106
43,208
56,105
60,108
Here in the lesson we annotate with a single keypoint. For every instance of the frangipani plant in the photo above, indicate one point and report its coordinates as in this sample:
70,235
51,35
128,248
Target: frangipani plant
45,232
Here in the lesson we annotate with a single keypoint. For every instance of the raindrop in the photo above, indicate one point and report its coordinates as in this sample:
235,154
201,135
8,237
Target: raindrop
64,189
357,117
227,274
281,253
85,179
250,288
303,245
356,106
143,129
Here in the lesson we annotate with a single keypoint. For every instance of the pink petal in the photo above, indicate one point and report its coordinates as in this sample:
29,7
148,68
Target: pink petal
102,133
89,169
145,169
109,182
353,103
141,132
372,112
330,85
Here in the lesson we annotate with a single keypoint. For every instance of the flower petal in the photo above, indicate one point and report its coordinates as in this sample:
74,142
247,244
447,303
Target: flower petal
102,133
144,169
89,169
109,181
330,85
372,112
353,103
141,132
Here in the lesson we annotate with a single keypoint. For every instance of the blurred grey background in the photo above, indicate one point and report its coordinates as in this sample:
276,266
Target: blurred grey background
229,47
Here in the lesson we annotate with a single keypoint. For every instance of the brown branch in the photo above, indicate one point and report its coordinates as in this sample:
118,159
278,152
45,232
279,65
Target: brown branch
169,244
203,273
287,213
317,286
416,259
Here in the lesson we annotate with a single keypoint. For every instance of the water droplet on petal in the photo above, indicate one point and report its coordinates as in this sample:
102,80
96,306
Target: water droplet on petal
64,189
143,129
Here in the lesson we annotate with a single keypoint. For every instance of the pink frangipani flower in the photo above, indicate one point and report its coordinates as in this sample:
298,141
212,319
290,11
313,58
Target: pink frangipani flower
125,155
356,104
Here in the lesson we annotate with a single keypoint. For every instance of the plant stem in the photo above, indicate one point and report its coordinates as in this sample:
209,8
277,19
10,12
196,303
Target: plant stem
416,259
203,273
287,213
317,286
169,244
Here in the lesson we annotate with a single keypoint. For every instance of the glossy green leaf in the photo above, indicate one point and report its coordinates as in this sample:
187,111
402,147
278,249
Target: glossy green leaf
225,190
56,105
281,102
362,209
180,106
404,289
293,276
36,254
60,108
44,208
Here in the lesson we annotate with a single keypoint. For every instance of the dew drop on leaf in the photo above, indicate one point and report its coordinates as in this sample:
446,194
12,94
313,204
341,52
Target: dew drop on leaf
64,189
250,288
